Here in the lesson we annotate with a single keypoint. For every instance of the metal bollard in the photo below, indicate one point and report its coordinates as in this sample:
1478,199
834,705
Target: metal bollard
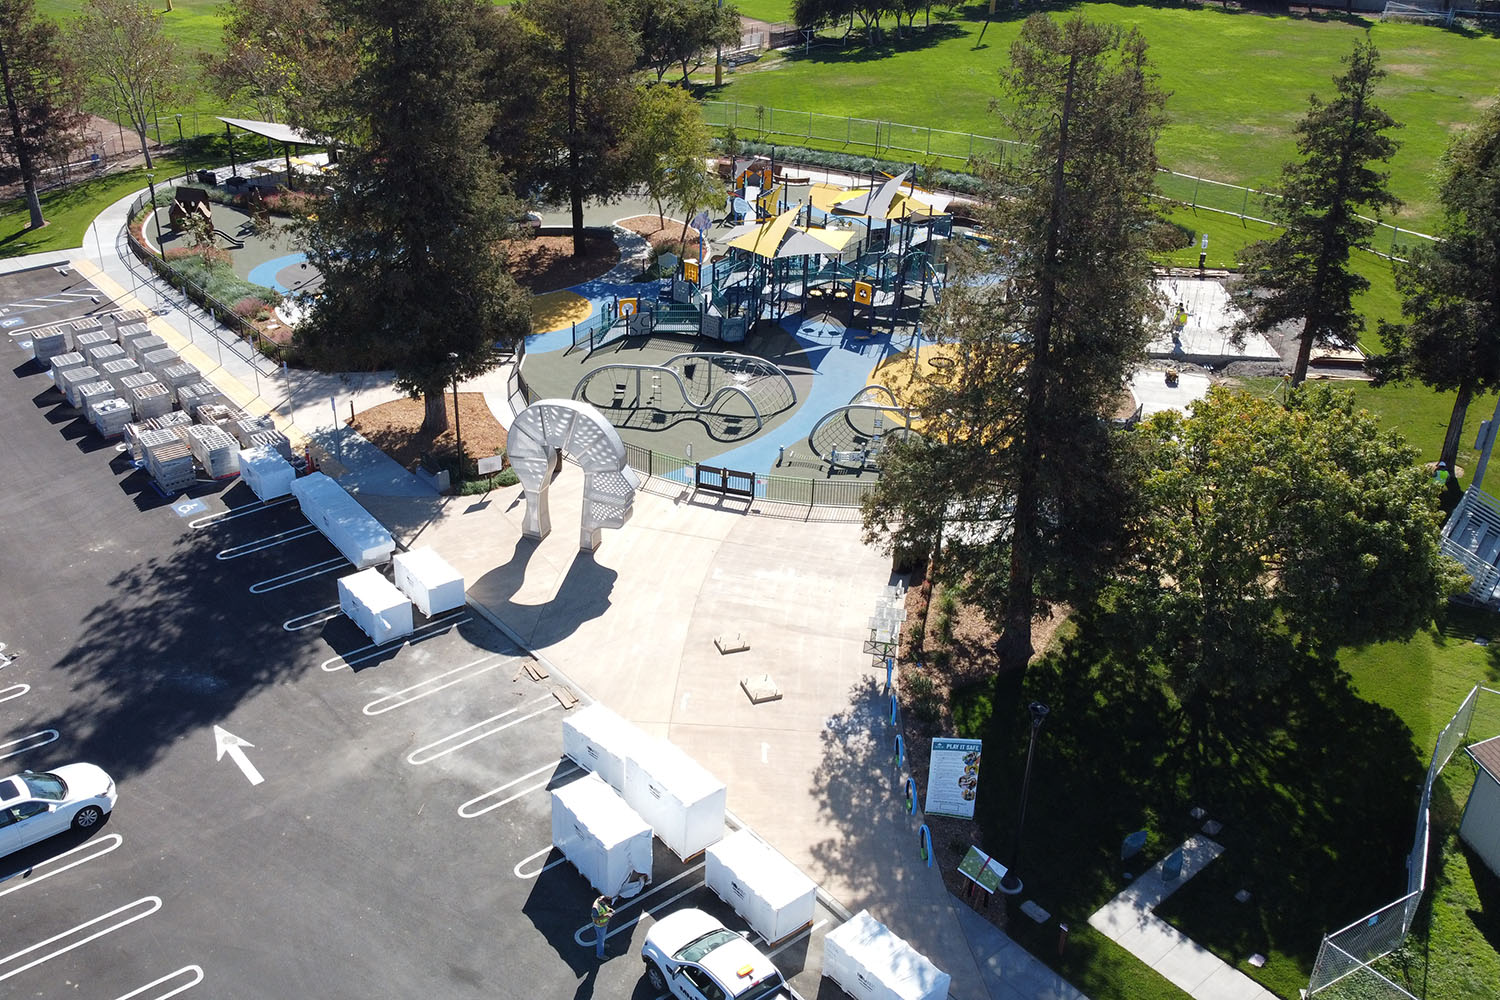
1062,937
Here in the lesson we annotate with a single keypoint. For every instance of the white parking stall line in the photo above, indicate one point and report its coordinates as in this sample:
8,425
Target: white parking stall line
41,871
434,628
68,940
532,857
298,575
480,730
791,941
14,691
585,934
468,812
31,740
433,685
312,618
268,542
193,972
219,517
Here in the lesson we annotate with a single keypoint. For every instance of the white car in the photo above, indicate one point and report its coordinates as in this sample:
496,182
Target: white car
37,805
694,957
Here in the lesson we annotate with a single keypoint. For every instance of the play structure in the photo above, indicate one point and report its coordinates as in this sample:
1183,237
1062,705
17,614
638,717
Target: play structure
851,436
732,394
192,203
539,438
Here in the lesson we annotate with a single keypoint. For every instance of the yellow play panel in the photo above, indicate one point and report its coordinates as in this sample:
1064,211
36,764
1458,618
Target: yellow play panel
558,310
935,363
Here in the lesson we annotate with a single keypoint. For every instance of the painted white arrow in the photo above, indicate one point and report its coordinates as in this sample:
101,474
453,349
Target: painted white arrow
227,742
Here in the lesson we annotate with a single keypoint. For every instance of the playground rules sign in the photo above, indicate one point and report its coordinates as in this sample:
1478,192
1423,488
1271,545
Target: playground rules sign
953,777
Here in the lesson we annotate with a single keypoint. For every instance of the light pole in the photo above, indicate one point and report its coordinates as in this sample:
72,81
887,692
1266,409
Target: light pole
151,183
458,433
1011,883
187,172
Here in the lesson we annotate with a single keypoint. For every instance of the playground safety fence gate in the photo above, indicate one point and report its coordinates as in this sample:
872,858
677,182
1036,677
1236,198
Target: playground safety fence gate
676,472
877,138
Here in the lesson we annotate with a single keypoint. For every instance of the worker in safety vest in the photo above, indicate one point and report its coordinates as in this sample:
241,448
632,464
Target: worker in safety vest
604,910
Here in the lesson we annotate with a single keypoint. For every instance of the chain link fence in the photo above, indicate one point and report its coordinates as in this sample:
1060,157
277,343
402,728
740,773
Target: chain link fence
1343,967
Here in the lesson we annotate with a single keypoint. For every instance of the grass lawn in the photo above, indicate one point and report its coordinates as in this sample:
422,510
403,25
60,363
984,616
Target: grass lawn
1226,123
766,10
194,24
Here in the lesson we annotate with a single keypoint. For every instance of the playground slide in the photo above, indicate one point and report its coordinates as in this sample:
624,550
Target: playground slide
237,244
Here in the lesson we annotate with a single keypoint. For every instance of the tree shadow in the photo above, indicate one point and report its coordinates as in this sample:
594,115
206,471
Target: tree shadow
860,47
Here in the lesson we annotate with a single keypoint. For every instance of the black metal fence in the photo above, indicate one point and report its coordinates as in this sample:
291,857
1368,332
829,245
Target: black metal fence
792,491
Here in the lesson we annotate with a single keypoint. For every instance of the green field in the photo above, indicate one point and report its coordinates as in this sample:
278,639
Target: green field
1228,121
766,10
194,24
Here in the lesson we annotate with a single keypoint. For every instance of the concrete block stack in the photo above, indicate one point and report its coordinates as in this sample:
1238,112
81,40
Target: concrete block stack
110,416
99,354
216,451
116,371
159,360
75,377
150,399
48,342
168,459
60,363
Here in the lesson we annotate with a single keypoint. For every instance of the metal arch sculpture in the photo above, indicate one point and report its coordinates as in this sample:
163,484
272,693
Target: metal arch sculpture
550,427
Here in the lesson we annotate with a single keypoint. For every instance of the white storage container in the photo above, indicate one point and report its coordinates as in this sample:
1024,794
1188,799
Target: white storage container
48,342
266,473
141,346
91,394
75,377
870,963
343,521
770,892
683,802
100,354
216,451
428,580
372,603
110,416
601,835
116,370
598,739
160,360
60,363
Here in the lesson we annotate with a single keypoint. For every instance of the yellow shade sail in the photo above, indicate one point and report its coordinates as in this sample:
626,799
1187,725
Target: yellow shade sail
765,240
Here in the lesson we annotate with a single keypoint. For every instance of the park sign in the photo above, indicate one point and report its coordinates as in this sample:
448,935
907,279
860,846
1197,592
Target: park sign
953,777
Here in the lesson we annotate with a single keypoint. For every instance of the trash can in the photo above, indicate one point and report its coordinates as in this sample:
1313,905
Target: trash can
207,177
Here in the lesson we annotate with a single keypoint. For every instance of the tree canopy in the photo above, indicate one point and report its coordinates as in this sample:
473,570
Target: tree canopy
677,32
1016,463
1303,274
43,91
409,242
670,148
133,63
284,56
1274,533
1450,291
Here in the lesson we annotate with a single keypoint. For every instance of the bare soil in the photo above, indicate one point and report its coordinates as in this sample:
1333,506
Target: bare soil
395,428
664,235
546,263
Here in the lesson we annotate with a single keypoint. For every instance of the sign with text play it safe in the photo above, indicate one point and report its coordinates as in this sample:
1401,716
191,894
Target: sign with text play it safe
953,777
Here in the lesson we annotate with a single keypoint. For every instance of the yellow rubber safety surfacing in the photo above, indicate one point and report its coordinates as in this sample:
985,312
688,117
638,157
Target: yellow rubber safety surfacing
558,311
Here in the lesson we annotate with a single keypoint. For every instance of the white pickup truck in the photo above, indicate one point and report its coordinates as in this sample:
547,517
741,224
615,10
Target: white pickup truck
692,956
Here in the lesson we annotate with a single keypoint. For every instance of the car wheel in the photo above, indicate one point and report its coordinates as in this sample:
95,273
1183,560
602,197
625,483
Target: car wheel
87,818
655,976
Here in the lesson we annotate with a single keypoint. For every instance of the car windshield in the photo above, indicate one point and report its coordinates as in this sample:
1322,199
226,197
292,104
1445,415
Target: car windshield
698,947
45,786
763,990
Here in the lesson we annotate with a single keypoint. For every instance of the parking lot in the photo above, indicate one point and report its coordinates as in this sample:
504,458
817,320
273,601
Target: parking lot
301,813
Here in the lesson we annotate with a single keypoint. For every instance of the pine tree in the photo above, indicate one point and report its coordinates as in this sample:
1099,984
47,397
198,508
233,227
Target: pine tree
409,242
43,91
1017,467
1450,291
1303,274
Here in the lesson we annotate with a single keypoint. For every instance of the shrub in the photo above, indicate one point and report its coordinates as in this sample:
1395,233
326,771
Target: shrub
250,307
852,164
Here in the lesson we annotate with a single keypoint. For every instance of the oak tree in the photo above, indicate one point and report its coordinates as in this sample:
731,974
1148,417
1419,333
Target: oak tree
43,91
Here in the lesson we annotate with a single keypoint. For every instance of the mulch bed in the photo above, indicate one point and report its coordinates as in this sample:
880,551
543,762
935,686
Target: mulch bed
546,263
395,428
664,236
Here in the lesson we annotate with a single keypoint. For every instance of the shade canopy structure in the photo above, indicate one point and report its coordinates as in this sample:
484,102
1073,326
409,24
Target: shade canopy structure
778,238
275,131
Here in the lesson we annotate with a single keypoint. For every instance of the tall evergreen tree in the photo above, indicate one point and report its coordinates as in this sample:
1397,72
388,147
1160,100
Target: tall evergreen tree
1450,291
134,65
409,242
1303,274
43,90
1016,464
571,142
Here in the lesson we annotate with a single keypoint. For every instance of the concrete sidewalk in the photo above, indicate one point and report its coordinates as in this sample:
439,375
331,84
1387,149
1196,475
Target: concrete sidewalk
632,626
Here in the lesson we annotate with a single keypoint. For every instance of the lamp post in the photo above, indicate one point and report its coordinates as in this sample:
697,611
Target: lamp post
457,429
187,171
1011,883
151,183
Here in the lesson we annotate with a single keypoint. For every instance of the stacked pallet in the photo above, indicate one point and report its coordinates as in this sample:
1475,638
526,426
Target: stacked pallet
141,346
100,354
75,377
215,450
168,460
246,428
129,317
47,343
64,362
150,399
275,440
111,415
92,395
83,341
134,433
220,414
129,333
198,394
78,327
117,371
158,361
177,376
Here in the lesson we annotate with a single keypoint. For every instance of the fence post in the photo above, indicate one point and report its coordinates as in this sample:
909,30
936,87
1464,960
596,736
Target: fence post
809,127
1245,205
1195,192
929,140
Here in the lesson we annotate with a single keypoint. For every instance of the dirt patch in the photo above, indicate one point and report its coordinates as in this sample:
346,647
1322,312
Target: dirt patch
546,263
664,236
395,428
